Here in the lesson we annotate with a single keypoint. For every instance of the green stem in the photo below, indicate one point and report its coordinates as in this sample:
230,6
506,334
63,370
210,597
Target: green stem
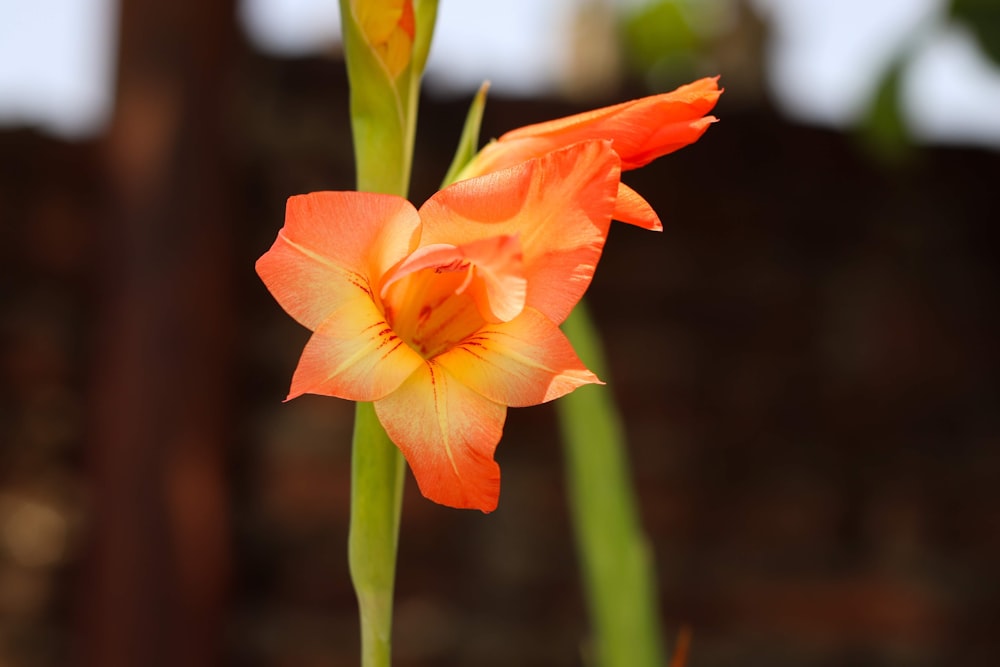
615,555
377,468
383,125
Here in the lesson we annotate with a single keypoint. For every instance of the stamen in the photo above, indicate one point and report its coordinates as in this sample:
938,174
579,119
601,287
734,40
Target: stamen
454,265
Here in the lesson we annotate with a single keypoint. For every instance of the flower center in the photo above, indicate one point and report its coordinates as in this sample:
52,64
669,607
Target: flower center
427,310
441,293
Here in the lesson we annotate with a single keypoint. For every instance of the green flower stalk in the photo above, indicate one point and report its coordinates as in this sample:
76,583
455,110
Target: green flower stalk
386,43
385,46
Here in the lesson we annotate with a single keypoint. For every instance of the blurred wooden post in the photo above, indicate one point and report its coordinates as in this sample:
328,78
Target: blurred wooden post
154,580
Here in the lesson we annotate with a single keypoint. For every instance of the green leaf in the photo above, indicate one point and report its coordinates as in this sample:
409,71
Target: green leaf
468,144
616,560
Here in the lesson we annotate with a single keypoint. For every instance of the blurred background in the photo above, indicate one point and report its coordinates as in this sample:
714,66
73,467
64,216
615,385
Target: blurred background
806,357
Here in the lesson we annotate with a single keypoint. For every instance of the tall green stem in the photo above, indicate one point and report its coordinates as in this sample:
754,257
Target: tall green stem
615,556
377,469
383,125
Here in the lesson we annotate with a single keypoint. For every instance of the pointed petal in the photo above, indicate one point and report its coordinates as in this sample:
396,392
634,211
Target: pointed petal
702,93
665,138
558,206
354,355
333,248
523,362
448,434
641,130
634,210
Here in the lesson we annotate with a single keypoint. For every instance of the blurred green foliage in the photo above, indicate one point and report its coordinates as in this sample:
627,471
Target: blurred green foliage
665,40
883,130
983,18
658,34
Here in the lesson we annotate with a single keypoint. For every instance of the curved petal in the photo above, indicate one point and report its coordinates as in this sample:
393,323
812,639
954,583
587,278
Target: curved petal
634,210
354,355
448,434
442,257
641,130
493,268
665,137
558,206
501,290
333,248
523,362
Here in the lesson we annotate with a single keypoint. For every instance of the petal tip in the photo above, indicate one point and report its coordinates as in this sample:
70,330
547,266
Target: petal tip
484,497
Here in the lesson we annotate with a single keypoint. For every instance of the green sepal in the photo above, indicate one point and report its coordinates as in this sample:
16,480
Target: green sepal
468,144
425,16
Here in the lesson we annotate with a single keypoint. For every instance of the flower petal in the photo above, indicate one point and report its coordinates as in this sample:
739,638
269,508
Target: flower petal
558,206
333,248
634,210
641,130
494,273
501,288
523,362
448,434
354,355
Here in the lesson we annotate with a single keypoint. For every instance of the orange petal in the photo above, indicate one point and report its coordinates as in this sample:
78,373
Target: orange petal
494,273
333,249
354,355
558,206
641,130
389,28
427,305
523,362
635,210
665,138
501,290
448,434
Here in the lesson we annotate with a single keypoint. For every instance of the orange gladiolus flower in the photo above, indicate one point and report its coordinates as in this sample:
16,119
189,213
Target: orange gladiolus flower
640,131
445,316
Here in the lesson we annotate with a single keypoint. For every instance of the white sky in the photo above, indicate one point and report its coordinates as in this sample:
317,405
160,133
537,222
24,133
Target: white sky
824,62
827,58
56,63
